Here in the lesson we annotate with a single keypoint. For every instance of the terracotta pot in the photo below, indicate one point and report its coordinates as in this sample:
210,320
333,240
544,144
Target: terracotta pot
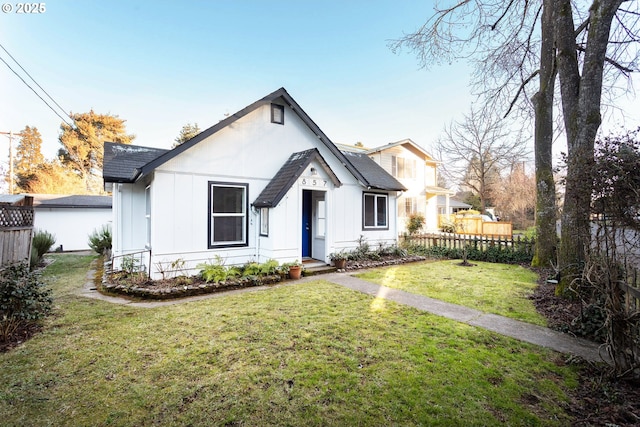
340,264
295,272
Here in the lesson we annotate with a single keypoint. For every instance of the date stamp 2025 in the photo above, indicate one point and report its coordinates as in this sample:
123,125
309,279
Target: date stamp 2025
24,8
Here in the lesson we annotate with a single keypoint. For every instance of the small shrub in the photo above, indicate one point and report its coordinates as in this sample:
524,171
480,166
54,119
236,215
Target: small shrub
42,242
591,323
251,268
448,226
339,255
471,251
168,269
24,299
130,264
270,267
361,252
530,233
415,222
213,271
100,239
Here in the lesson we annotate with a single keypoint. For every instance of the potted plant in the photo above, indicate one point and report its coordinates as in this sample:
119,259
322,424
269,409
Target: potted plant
339,259
294,269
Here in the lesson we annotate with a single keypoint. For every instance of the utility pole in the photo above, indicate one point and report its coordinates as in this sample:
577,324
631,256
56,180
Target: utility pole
11,134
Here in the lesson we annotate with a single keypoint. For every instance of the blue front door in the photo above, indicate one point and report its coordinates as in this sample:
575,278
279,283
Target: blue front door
307,205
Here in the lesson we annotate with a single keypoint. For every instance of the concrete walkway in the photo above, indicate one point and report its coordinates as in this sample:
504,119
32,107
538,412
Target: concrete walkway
522,331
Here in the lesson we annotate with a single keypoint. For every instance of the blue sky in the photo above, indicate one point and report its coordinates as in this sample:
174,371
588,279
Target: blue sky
162,64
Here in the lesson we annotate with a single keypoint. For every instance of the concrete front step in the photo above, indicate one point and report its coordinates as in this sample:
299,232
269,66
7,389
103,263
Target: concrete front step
313,266
321,269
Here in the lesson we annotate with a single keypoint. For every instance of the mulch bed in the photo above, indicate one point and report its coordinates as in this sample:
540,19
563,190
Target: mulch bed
600,399
182,287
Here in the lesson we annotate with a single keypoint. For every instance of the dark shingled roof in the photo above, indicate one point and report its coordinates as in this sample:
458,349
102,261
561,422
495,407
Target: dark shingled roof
128,163
374,175
122,162
71,201
287,176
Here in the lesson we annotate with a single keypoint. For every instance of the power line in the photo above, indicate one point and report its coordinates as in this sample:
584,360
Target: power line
37,94
34,80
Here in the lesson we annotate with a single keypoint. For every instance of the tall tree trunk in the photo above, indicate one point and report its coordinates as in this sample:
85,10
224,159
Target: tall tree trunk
546,237
581,107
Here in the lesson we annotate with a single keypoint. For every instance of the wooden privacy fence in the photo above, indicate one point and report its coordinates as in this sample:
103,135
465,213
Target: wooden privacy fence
16,233
475,225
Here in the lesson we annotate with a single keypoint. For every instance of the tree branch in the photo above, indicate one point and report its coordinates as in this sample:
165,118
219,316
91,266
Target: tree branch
625,70
520,89
495,24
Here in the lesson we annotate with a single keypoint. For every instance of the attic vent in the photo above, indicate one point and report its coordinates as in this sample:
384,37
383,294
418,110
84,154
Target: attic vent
277,114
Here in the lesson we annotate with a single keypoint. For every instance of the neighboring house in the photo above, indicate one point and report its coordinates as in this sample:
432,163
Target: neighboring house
417,171
71,218
264,183
454,206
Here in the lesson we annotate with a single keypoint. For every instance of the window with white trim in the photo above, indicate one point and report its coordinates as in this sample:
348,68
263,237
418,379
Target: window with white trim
228,220
374,211
264,221
147,214
403,168
407,207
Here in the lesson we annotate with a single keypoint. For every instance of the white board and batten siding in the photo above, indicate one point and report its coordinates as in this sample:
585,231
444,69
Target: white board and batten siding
249,151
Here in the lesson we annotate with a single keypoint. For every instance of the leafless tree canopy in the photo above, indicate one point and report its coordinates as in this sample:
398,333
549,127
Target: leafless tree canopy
502,40
476,149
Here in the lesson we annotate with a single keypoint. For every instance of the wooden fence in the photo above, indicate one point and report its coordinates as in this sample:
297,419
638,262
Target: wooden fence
16,233
480,242
631,290
475,225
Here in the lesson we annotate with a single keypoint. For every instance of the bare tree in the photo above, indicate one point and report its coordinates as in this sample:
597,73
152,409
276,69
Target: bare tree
476,149
516,198
516,44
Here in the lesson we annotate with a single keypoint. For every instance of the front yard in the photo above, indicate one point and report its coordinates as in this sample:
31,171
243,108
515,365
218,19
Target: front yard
490,287
306,354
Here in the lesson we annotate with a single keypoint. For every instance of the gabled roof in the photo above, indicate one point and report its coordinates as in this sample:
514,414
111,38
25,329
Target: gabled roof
71,201
409,145
287,176
280,95
453,203
122,162
374,176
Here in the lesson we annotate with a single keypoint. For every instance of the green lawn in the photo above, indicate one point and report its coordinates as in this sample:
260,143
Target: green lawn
493,288
307,354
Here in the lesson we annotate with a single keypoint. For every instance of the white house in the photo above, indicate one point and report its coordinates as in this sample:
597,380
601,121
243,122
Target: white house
71,218
265,183
417,171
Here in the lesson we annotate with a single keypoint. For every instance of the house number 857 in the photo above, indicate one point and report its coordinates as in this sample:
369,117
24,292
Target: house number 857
314,182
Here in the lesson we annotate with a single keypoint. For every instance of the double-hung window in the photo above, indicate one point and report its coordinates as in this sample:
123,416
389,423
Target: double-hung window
228,220
403,168
375,208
